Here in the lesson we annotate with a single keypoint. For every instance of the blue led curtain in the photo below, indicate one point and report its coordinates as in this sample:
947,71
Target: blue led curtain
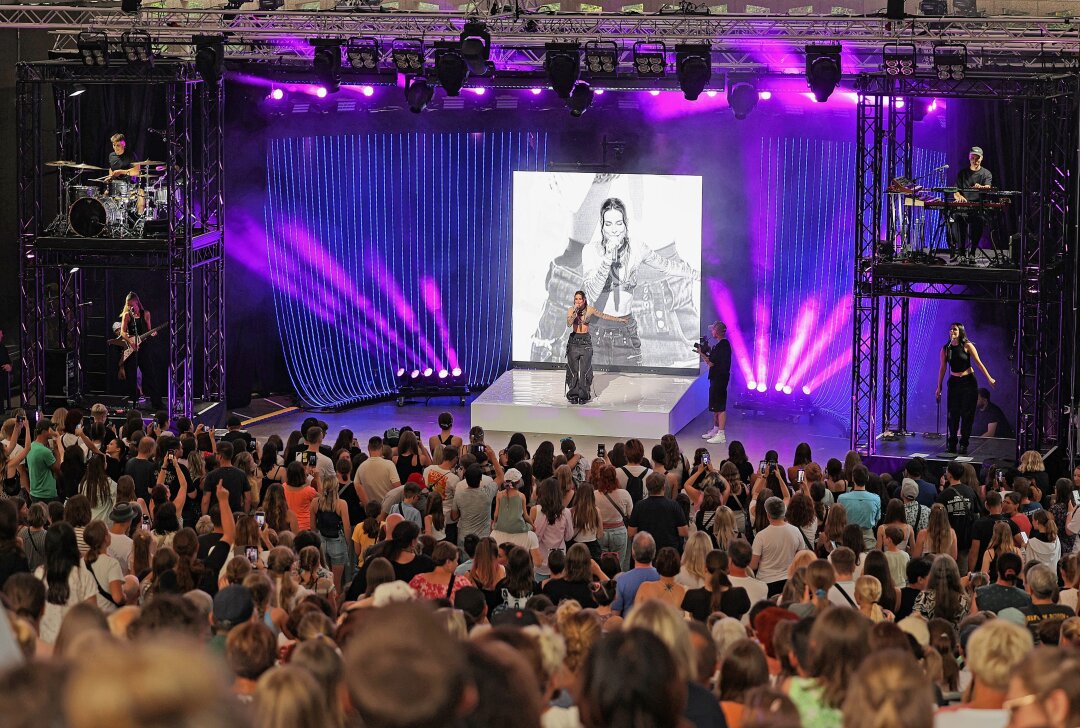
391,251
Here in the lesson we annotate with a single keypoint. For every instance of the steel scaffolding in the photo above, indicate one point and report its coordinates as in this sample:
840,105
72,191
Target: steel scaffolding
191,251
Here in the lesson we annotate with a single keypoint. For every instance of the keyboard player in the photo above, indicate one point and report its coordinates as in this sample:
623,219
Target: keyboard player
970,223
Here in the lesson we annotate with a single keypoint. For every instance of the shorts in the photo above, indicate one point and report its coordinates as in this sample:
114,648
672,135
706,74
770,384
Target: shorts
337,551
718,395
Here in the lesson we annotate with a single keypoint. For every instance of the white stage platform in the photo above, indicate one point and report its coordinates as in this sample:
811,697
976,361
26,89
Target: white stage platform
626,404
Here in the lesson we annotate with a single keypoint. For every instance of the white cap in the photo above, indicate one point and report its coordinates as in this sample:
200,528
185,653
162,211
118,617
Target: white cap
513,475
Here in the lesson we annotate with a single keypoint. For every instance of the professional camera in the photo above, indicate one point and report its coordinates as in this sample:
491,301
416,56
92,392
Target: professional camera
702,346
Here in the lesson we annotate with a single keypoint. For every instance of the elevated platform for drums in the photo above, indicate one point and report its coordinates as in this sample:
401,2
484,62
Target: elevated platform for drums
626,404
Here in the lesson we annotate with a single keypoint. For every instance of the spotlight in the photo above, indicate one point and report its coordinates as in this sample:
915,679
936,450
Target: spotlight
77,90
408,55
401,372
967,8
787,389
950,61
476,47
367,90
563,64
934,7
580,98
326,63
456,371
363,53
601,58
418,93
451,68
806,389
209,57
751,385
93,47
761,387
428,371
136,47
898,59
443,374
822,70
414,373
693,67
779,387
277,94
742,97
650,59
321,92
920,107
270,4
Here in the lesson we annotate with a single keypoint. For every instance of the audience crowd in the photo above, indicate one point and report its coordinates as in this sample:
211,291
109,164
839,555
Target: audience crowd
159,574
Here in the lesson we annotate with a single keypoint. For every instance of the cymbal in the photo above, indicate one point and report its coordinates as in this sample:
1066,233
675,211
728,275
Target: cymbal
60,163
99,179
87,166
146,161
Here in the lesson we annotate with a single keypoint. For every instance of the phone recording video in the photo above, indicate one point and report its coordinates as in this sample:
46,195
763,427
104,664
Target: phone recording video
801,477
253,555
762,467
312,459
260,518
705,458
601,451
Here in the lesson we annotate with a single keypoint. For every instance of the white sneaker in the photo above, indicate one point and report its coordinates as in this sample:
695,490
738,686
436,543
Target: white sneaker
710,433
718,439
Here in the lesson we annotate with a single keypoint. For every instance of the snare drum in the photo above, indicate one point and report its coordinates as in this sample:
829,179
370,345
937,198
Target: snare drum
78,192
93,217
120,188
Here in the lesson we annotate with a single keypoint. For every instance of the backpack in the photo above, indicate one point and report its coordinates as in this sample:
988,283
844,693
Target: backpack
635,484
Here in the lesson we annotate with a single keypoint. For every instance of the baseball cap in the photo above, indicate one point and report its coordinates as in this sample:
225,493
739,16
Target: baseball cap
514,618
125,512
513,475
909,489
233,605
976,150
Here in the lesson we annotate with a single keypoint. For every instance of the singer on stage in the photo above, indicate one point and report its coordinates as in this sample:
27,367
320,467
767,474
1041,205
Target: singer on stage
579,348
959,353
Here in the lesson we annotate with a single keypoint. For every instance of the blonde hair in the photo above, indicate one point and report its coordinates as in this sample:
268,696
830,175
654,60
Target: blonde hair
867,594
889,691
59,415
289,696
801,560
1031,462
328,493
664,621
697,548
938,530
580,630
1001,539
724,526
995,649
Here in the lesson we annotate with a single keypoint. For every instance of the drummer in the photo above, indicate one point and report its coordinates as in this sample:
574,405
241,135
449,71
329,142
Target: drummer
122,163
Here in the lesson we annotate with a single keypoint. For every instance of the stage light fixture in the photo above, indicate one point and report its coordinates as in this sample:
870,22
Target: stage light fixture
93,46
650,59
693,68
408,55
414,374
443,374
271,4
418,93
476,47
822,70
456,371
77,90
601,59
363,53
563,64
428,371
326,63
209,57
136,47
580,98
920,107
742,96
938,8
451,68
968,8
950,61
898,59
277,94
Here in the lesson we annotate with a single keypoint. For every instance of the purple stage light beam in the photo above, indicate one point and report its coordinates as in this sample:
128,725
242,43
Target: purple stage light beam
762,320
823,336
725,308
433,301
405,311
803,327
841,362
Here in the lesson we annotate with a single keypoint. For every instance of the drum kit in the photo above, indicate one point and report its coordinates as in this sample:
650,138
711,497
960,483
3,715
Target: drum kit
109,207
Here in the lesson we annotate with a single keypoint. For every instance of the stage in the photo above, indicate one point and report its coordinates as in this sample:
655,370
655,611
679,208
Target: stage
625,404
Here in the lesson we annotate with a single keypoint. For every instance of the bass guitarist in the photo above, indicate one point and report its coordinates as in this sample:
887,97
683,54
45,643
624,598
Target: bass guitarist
134,324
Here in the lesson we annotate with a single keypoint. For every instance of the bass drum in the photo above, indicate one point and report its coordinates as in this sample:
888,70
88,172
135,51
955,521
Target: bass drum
93,217
78,192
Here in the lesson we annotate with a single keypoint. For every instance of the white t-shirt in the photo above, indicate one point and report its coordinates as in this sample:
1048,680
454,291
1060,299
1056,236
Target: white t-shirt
777,546
527,540
81,587
444,482
756,589
106,569
837,599
101,513
635,470
120,546
968,717
609,514
68,439
323,464
377,476
686,579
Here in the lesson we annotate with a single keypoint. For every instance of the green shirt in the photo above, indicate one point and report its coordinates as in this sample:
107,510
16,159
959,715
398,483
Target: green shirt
39,462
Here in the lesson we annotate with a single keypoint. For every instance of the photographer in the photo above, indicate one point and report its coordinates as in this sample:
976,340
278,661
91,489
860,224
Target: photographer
718,359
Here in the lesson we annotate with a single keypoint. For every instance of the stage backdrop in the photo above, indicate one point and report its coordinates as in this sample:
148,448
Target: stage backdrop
391,251
560,241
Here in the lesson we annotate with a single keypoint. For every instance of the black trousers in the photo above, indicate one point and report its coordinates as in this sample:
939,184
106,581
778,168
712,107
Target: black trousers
579,374
969,231
139,361
963,397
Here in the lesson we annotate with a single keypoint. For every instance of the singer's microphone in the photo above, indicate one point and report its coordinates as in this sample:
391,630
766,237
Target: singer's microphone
944,166
159,132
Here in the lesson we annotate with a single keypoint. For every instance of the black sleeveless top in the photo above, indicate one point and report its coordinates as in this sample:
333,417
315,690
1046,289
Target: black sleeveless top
958,357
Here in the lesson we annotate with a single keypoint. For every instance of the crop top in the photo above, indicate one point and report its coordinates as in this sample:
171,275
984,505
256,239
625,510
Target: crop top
959,358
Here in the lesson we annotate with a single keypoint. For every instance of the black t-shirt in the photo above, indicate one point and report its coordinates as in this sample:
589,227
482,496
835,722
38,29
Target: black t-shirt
233,435
720,356
661,517
908,595
122,161
207,541
144,473
992,414
347,493
983,530
1036,614
234,481
559,590
13,561
734,603
967,179
959,501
